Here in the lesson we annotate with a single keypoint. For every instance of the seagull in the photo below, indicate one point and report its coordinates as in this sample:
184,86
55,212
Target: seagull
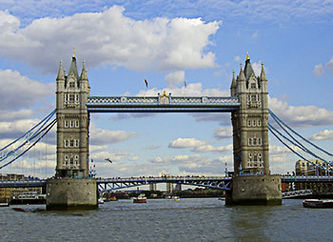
108,159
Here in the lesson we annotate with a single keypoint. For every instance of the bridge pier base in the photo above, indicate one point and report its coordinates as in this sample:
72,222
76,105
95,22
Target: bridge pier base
71,193
255,190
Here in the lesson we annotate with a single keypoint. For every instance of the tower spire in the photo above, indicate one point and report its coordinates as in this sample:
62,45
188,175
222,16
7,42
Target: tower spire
60,75
241,75
73,52
263,74
247,55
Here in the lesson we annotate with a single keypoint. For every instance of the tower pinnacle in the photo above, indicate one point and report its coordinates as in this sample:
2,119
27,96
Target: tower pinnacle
247,55
73,52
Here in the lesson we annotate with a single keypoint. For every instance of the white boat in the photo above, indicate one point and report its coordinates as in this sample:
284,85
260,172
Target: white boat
140,199
317,203
100,200
4,204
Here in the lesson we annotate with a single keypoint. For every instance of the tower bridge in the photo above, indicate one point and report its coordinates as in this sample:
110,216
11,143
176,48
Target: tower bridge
252,181
248,105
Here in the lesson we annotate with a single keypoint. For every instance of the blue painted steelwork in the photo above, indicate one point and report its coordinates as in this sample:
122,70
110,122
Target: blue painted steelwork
162,103
22,183
110,184
216,182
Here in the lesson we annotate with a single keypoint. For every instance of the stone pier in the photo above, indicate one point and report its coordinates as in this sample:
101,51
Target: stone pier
71,193
255,190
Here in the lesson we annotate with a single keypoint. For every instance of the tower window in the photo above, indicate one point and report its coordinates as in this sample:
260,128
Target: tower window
71,98
259,122
76,123
71,84
253,85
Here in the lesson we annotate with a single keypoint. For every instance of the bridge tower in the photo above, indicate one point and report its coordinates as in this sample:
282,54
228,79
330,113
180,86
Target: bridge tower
72,122
71,187
250,139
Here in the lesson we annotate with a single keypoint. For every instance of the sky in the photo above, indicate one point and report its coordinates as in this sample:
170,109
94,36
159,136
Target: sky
166,43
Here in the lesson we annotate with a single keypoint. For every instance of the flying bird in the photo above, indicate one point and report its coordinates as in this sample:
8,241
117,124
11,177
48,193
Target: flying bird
146,83
108,159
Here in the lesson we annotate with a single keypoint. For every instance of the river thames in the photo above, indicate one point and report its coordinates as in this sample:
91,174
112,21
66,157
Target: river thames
197,219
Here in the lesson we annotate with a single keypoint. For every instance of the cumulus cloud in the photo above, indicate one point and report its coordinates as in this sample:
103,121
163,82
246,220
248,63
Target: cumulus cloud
329,65
257,68
223,133
20,91
104,136
318,70
323,135
192,89
197,145
118,155
110,38
15,115
301,116
181,143
173,79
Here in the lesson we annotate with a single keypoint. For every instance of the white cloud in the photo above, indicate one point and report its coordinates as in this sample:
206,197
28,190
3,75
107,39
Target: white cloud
329,65
119,155
323,135
173,79
257,68
20,91
300,116
15,115
104,136
318,70
181,143
223,133
197,145
110,38
192,89
237,58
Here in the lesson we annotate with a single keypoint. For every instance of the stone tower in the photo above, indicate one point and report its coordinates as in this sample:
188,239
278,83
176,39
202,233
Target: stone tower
73,122
252,182
250,127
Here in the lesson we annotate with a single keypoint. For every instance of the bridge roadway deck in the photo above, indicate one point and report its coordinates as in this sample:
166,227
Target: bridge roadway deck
158,104
176,179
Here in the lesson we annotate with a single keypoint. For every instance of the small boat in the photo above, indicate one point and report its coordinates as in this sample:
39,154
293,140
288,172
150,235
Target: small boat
317,203
4,204
176,198
100,200
140,199
112,198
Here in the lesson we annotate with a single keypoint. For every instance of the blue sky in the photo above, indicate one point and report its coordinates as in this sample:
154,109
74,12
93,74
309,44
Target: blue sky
165,42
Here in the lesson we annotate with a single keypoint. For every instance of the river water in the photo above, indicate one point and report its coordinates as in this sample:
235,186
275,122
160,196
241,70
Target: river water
197,219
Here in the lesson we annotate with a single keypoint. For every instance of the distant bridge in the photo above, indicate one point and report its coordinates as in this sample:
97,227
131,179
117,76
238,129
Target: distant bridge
216,182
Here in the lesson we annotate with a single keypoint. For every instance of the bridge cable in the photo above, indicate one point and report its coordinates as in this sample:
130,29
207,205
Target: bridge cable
47,117
47,128
298,144
32,136
269,127
326,152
